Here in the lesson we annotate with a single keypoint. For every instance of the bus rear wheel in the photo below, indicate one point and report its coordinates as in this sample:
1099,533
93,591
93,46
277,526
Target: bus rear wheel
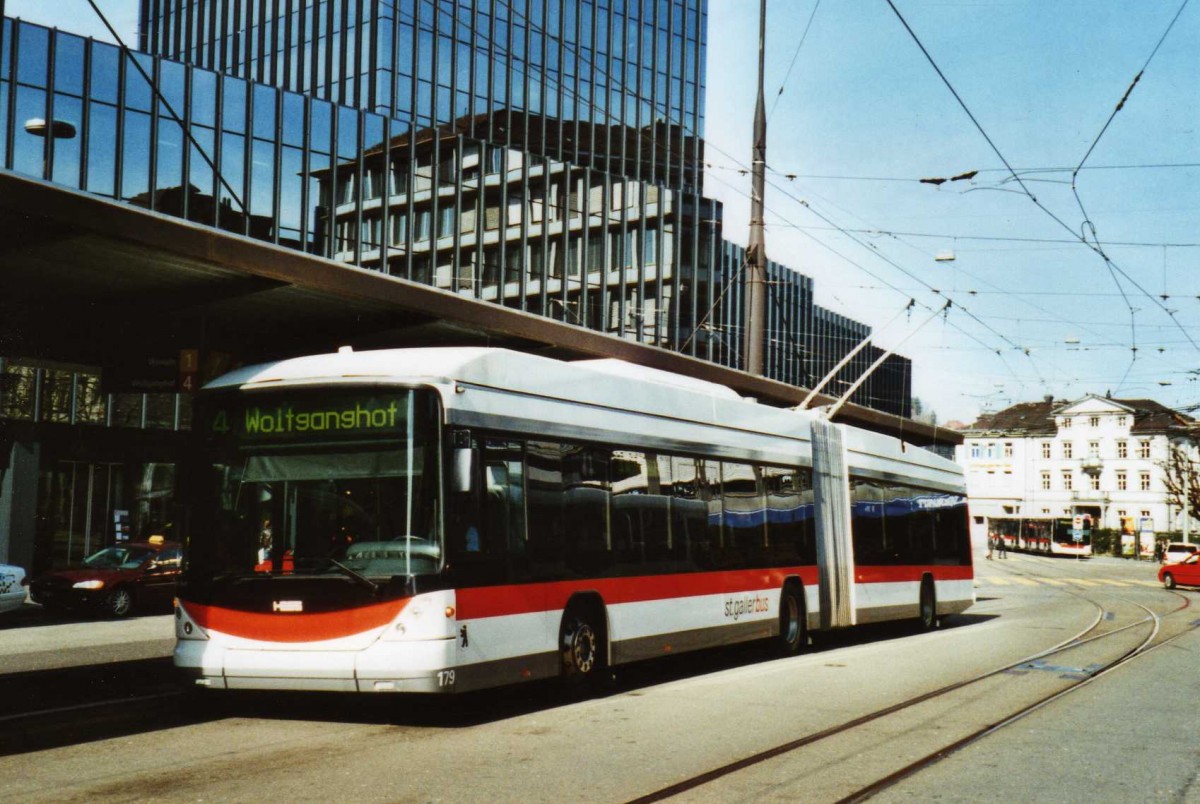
793,633
927,606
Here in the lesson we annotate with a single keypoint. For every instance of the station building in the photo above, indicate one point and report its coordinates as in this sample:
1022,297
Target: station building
540,156
1097,456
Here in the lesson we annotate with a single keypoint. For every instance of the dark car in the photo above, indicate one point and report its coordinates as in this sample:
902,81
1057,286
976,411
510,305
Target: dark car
117,580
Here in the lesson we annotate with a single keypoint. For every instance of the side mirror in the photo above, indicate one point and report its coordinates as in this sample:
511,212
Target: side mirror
463,465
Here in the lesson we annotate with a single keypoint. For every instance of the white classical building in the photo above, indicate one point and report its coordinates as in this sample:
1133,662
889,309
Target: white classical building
1097,455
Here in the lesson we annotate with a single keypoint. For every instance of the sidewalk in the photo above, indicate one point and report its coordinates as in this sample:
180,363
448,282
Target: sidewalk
32,640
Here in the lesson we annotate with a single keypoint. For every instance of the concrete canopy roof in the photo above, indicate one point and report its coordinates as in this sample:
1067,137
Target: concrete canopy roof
91,282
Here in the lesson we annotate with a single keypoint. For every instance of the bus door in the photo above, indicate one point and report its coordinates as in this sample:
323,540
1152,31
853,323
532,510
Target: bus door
485,524
835,555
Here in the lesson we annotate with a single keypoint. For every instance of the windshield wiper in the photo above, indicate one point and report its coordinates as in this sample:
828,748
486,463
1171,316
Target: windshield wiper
362,579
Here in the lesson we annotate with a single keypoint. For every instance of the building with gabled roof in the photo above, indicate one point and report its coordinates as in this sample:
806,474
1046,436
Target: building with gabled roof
1095,456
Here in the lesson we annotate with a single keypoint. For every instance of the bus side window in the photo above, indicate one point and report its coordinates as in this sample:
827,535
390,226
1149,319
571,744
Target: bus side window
867,523
546,497
503,523
789,511
586,510
689,514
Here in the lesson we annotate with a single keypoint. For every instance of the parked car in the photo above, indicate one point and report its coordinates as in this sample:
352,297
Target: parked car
1185,573
116,580
12,587
1177,551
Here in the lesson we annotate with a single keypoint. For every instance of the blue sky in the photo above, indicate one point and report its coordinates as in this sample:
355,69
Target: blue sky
863,116
863,103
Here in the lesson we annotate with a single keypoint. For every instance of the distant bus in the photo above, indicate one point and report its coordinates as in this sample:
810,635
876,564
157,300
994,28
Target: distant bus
442,520
1049,535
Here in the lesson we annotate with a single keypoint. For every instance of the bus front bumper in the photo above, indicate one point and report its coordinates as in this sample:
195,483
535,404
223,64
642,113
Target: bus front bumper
424,666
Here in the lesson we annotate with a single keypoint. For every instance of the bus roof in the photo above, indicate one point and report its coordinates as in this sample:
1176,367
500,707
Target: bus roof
595,400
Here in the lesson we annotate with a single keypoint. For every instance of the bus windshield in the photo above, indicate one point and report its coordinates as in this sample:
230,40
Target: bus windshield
317,482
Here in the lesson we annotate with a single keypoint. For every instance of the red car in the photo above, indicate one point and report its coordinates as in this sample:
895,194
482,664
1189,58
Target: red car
1186,572
117,580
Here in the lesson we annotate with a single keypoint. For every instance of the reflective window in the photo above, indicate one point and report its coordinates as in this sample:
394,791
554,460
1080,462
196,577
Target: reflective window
33,55
29,149
262,178
102,149
204,98
172,87
19,390
233,105
168,181
135,158
65,151
138,91
293,119
68,64
264,112
105,72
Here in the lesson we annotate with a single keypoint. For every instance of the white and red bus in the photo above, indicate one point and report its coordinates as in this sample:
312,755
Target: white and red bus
1049,535
449,519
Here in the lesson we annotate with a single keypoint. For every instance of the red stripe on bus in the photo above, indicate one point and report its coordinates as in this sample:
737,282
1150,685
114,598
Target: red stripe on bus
912,573
498,601
294,627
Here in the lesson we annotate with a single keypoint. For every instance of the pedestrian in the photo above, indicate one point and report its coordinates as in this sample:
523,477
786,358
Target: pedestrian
1000,551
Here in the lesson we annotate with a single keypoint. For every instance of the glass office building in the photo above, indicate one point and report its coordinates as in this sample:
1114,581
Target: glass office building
616,85
541,155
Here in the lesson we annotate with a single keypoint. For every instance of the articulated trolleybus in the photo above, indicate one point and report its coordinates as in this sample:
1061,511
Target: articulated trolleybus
1050,535
449,519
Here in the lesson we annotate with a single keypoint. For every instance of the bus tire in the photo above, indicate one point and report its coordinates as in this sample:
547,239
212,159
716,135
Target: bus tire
1168,580
793,625
582,647
927,605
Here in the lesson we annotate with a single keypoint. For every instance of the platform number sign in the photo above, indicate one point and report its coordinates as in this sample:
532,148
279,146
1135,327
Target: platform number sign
189,370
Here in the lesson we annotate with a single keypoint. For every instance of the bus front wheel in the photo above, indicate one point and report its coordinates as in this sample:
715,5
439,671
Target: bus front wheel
581,644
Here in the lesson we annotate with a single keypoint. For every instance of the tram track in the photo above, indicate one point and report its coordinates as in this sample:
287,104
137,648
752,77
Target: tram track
54,707
933,758
1145,629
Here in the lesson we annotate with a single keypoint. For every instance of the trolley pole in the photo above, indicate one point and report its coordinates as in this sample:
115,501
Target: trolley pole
756,254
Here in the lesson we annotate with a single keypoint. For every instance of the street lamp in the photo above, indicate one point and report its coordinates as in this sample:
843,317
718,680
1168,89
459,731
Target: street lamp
49,131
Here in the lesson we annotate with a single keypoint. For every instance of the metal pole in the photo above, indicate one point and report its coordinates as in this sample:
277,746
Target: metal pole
756,254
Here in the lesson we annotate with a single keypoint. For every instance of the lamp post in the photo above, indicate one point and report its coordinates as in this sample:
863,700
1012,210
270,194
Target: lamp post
49,132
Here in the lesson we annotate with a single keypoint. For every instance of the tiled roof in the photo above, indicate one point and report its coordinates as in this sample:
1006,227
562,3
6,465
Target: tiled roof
1037,418
1024,418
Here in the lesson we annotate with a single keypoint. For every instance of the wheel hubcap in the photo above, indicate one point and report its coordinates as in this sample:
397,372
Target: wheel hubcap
120,603
583,648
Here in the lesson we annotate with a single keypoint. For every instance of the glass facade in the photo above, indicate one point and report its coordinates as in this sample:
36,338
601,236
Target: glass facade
615,85
585,246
